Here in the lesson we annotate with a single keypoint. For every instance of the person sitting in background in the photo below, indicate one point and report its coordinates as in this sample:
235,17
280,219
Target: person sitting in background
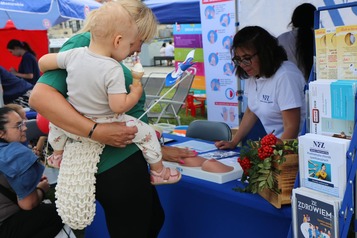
274,86
162,49
299,42
15,90
22,185
28,67
36,145
169,51
19,109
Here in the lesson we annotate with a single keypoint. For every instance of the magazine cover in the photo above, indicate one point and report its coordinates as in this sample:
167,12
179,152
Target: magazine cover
331,52
346,52
314,214
321,54
322,163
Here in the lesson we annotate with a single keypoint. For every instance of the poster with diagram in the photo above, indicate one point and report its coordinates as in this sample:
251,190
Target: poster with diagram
218,20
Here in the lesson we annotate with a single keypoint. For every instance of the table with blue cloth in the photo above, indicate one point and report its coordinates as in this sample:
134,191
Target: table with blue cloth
196,208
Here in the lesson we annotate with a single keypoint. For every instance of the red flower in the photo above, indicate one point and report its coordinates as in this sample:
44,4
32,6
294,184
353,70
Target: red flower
269,139
245,164
257,159
265,151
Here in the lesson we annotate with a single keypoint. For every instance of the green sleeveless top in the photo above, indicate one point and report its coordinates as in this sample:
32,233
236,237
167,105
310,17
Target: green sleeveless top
111,156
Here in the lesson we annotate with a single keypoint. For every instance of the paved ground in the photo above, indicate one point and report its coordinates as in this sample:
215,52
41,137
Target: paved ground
158,69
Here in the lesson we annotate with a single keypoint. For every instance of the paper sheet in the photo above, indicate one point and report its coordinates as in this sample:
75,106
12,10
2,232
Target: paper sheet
196,145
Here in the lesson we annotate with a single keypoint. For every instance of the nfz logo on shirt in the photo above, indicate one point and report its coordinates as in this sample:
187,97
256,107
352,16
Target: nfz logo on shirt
265,99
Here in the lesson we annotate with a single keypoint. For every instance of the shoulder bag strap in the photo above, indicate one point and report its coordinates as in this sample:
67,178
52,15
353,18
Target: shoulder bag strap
9,194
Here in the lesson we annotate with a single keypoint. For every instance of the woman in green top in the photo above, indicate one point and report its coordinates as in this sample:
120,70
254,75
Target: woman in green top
131,204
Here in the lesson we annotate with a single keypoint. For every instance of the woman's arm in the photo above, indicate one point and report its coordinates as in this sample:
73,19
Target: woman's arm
291,123
24,76
47,101
35,198
248,121
48,62
175,154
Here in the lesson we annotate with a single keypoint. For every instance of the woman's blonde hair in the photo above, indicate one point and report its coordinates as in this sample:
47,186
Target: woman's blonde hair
143,16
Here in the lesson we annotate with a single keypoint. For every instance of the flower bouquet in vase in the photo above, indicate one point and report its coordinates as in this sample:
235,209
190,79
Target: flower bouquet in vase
270,166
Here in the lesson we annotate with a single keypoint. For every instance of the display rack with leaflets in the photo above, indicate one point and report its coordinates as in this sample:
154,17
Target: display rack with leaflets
347,206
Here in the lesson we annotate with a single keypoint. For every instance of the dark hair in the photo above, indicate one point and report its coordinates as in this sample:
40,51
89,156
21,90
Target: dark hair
4,111
270,53
303,20
164,44
21,44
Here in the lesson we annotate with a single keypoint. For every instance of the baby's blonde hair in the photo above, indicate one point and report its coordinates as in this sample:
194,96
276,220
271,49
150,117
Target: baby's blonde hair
109,20
143,16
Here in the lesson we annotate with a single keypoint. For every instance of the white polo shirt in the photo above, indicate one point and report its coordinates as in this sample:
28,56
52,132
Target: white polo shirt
268,97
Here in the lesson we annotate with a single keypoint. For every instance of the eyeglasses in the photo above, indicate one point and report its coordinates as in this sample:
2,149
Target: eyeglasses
245,61
19,125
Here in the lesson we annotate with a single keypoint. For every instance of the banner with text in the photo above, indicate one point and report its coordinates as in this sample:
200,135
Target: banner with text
218,19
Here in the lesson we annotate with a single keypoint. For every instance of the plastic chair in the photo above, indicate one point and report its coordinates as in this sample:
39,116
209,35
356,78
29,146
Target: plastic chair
209,130
170,107
153,86
192,104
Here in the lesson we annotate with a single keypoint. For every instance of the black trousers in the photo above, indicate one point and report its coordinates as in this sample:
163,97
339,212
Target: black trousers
131,204
40,222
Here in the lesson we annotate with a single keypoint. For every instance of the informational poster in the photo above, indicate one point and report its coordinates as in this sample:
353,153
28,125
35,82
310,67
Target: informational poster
218,19
186,38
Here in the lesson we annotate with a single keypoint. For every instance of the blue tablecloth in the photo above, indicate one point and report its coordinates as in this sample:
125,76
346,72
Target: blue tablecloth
196,208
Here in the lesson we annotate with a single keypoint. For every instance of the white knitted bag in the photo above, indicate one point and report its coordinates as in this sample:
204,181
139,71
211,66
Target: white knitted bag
75,189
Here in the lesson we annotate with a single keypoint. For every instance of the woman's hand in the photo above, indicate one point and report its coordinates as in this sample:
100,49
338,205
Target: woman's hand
222,145
178,155
12,70
42,99
44,184
116,134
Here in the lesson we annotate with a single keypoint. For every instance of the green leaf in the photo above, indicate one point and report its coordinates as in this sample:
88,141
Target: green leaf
264,171
262,184
261,178
270,181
